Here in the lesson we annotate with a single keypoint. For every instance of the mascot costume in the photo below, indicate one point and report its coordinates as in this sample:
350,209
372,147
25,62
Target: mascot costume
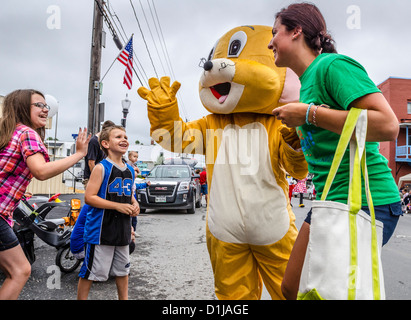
250,225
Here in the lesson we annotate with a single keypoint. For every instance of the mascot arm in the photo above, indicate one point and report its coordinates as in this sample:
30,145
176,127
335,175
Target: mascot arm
167,127
291,154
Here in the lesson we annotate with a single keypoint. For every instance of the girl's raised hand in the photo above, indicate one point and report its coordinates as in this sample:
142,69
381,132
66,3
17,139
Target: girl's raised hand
82,141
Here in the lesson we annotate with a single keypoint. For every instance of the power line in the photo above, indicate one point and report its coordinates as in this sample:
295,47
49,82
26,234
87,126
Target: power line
123,34
139,65
142,34
110,27
154,42
162,42
168,60
124,38
114,14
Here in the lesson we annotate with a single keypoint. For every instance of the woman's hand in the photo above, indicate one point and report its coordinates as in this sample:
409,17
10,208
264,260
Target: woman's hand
43,170
82,142
382,121
292,114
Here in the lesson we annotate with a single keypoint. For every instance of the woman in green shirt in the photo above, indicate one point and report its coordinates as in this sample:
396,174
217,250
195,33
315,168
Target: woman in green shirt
330,85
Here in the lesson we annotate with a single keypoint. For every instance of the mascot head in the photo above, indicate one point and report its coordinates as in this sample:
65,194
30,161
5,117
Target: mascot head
240,74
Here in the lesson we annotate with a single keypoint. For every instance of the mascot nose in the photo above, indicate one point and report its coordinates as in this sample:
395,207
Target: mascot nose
208,65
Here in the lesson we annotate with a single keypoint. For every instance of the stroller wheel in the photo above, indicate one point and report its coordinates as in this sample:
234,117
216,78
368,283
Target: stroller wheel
66,261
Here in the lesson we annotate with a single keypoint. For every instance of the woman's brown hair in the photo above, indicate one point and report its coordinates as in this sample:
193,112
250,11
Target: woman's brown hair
17,109
309,18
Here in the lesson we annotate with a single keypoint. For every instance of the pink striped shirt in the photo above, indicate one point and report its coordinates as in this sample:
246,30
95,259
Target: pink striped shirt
14,173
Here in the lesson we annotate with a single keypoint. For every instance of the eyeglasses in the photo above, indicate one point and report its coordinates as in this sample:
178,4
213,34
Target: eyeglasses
41,105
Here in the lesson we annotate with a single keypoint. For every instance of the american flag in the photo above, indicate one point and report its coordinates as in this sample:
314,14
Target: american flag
126,58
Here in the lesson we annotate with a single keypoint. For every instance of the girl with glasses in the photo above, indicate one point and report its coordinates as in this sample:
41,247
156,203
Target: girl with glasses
22,157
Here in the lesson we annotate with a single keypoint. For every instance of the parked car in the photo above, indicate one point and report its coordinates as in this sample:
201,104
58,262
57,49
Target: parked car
172,186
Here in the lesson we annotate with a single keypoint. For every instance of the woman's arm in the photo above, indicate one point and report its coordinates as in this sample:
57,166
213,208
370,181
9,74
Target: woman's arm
382,122
43,170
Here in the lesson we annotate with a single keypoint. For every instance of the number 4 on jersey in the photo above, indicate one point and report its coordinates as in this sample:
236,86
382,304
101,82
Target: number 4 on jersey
121,187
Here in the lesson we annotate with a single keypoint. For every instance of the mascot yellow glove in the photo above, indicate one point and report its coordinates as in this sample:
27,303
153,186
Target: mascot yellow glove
161,92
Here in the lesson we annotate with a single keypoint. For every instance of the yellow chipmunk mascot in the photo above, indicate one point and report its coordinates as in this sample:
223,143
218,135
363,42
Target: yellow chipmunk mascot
250,225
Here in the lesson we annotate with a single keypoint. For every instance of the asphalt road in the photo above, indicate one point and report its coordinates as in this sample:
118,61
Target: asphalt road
171,262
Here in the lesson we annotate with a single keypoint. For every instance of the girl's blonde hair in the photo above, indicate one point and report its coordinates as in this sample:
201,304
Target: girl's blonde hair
17,109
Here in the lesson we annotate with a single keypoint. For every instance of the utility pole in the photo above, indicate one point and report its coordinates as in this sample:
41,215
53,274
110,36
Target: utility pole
95,69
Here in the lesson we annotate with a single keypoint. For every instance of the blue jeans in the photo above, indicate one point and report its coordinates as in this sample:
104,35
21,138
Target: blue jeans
8,238
134,223
388,214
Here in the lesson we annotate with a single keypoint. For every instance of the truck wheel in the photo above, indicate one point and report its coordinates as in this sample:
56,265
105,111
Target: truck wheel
198,203
193,206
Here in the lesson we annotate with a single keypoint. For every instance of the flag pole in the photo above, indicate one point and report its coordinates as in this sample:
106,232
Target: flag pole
117,58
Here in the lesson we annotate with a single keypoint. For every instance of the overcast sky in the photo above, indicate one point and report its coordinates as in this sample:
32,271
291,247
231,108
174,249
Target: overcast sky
53,55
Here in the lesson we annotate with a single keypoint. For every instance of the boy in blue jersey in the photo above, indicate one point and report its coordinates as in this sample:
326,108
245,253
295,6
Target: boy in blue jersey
107,230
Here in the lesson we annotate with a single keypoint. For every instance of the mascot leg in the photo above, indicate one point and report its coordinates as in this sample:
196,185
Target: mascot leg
272,262
236,275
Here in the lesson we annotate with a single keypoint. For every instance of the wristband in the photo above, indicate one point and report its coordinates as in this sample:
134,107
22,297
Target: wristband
315,113
308,113
314,116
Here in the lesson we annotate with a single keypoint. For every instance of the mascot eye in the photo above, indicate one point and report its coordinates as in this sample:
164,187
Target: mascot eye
237,44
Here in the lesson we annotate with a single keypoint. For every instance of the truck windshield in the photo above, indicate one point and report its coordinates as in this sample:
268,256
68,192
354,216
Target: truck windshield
169,172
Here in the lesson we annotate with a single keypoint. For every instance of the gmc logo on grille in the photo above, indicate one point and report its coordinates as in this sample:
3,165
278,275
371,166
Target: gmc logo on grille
161,188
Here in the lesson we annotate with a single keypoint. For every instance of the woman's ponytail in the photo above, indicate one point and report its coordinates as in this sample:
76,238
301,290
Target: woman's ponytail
309,18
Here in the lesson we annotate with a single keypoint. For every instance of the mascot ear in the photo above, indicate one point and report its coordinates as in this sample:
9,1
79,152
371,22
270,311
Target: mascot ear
292,86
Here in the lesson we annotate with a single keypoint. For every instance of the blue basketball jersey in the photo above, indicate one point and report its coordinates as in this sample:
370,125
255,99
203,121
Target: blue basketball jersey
110,227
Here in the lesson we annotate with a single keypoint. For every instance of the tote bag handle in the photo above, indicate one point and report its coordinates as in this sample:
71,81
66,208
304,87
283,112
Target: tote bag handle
345,138
356,119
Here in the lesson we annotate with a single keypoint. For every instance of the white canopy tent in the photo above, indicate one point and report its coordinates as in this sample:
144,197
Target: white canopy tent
406,178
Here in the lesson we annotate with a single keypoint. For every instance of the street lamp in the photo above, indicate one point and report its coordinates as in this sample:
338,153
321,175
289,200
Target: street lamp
126,106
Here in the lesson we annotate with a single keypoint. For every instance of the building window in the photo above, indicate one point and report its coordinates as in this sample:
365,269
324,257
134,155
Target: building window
409,106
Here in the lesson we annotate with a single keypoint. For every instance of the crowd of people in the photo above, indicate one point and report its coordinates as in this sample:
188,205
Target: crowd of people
331,84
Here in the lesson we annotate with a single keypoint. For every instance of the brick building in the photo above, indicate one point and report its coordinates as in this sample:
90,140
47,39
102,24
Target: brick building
398,93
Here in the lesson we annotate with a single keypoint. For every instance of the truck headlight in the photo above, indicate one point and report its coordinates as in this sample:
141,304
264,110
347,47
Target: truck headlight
184,186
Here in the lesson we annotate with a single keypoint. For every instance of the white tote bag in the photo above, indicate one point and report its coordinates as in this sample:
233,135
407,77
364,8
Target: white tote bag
343,258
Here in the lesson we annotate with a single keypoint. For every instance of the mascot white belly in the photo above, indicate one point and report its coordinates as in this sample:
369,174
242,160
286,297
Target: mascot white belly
241,179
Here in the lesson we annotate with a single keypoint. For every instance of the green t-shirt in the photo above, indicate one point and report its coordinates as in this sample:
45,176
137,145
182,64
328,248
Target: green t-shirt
337,80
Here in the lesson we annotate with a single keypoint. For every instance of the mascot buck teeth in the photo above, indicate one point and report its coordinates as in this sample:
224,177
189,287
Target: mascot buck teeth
250,225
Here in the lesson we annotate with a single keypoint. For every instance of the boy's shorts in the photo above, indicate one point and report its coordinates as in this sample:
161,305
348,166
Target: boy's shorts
102,261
